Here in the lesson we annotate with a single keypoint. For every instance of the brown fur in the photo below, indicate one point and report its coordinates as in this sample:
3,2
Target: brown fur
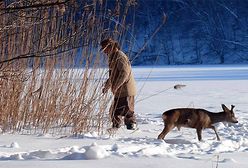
195,118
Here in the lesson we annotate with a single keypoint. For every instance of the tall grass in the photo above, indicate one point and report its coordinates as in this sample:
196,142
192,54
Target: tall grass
51,71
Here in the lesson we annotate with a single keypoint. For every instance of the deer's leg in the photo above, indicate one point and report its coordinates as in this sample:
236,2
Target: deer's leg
213,127
167,128
199,133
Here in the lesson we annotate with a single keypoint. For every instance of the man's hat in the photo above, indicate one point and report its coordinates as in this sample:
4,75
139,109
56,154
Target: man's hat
105,43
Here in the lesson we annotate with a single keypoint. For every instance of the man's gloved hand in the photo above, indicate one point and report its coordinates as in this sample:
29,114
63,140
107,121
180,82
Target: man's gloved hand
104,90
106,87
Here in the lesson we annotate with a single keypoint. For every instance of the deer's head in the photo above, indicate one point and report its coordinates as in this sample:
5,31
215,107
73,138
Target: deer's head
230,117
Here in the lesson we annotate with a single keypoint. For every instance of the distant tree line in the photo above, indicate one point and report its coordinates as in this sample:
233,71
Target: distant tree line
196,32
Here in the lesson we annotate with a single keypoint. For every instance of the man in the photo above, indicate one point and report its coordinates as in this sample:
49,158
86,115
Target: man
122,84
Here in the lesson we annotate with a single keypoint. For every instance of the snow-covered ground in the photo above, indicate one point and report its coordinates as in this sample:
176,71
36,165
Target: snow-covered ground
206,87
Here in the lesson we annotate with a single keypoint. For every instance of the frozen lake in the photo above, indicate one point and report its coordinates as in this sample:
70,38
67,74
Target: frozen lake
195,72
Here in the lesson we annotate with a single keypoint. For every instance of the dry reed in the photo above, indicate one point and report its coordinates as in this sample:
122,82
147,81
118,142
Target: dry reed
50,67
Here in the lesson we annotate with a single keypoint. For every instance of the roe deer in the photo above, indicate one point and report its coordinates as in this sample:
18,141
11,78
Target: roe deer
195,118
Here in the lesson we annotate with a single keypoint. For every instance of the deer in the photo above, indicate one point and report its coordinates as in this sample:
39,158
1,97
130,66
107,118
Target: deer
196,118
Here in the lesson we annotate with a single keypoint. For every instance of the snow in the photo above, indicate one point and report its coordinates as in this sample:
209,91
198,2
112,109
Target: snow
14,145
206,87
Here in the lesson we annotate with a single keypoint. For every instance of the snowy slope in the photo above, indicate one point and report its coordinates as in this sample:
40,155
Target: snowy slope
206,87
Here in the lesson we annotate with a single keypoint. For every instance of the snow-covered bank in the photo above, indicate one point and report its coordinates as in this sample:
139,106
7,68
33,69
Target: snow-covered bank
130,144
223,161
140,147
125,150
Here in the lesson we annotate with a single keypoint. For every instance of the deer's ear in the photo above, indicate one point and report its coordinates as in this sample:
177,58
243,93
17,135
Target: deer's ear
224,107
232,107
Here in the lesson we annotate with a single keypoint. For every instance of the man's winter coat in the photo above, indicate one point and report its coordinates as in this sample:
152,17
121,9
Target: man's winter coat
121,78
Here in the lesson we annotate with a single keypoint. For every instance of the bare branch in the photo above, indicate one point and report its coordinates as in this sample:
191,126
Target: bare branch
35,6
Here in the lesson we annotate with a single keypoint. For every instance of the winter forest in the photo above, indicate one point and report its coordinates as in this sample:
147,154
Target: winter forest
196,32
